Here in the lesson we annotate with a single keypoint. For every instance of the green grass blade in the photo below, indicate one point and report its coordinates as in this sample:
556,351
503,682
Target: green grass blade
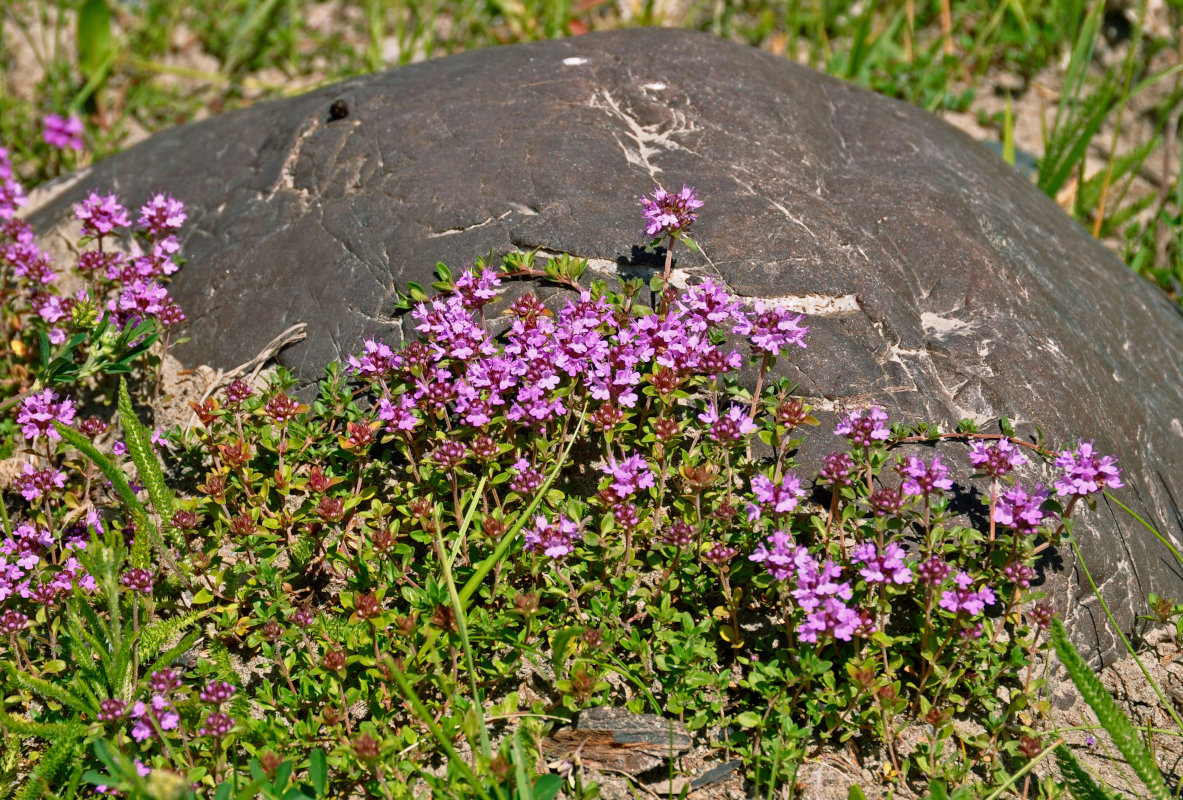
250,36
461,613
1166,542
427,719
94,36
1123,732
486,566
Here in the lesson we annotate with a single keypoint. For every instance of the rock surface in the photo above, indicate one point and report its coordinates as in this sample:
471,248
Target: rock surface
939,282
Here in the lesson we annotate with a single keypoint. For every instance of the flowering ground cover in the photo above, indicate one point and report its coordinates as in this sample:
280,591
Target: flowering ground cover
402,586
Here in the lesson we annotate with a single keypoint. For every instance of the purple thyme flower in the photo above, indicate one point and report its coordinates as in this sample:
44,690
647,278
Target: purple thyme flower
377,360
448,454
731,427
535,404
997,459
64,133
13,622
163,681
12,197
1085,473
631,475
681,534
1021,511
450,330
28,262
138,580
476,290
886,501
159,711
962,600
303,617
1042,615
971,631
719,554
921,480
399,414
141,298
159,260
37,482
837,469
110,710
1019,574
27,544
161,214
779,555
217,692
101,214
831,618
933,571
708,306
216,726
527,480
670,214
776,499
39,412
580,334
625,515
772,329
887,567
45,595
818,581
864,431
554,540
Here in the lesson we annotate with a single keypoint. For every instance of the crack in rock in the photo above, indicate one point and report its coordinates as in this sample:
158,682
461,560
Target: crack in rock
520,209
648,140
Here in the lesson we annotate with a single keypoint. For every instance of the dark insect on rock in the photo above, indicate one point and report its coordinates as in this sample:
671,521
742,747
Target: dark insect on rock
338,110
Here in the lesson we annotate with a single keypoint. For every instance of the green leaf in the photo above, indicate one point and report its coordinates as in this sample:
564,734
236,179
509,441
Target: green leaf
1006,426
748,719
559,644
94,36
318,771
547,787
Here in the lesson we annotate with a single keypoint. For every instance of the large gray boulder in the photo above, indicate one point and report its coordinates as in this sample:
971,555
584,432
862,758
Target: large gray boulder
940,283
